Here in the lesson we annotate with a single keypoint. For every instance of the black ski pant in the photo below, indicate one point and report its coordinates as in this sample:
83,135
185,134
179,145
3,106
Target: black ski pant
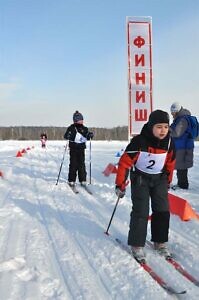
77,165
144,188
182,176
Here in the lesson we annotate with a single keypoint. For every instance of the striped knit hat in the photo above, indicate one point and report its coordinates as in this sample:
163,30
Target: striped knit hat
77,116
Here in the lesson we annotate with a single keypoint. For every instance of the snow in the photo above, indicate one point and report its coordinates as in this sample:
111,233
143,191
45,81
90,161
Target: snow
53,245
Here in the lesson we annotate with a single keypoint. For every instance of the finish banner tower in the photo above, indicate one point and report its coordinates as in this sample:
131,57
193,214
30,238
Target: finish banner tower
139,43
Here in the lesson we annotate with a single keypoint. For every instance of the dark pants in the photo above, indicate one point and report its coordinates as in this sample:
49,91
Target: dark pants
142,189
77,165
182,176
43,143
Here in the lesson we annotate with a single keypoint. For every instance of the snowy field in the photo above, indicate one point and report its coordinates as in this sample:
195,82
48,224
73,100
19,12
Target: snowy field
52,242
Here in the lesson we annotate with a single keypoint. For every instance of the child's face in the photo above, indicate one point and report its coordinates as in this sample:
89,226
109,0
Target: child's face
79,122
160,130
174,114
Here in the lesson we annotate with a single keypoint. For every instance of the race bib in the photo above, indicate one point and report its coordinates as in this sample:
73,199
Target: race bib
79,138
151,163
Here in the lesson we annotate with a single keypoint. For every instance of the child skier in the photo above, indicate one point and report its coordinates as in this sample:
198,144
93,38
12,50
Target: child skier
77,134
150,157
43,139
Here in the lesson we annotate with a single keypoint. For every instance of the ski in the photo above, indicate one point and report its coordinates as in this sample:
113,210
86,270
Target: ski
178,267
86,188
74,189
169,289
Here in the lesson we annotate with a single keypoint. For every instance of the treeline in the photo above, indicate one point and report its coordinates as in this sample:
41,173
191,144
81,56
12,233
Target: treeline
57,133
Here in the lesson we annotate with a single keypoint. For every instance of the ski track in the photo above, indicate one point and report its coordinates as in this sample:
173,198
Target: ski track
58,261
86,254
86,250
105,275
91,290
13,242
67,262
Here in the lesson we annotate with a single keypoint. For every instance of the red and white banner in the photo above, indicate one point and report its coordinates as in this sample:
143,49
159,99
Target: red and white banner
139,71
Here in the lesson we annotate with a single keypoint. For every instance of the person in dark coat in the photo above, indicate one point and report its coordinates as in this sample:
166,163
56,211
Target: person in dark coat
77,134
150,157
43,139
184,144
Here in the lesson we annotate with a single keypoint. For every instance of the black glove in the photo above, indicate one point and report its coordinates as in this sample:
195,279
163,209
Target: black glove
120,193
90,135
67,135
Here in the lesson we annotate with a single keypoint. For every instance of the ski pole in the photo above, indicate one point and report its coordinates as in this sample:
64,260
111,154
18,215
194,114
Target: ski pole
90,161
106,232
123,186
61,164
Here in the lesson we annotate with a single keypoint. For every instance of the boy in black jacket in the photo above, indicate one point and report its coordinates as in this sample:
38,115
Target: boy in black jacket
150,158
77,134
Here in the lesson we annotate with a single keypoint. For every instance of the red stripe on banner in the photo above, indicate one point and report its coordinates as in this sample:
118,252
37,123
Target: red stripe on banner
151,78
129,84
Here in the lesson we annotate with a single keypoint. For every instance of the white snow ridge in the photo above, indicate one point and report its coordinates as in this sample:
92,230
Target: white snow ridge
52,241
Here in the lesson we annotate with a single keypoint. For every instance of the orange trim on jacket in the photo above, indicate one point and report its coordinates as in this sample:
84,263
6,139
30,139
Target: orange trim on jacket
128,160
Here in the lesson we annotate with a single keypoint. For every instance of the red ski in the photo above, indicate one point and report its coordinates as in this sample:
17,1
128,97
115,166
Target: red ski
169,289
178,267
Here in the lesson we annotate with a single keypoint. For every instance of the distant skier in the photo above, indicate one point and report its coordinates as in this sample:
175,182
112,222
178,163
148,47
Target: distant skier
77,134
150,157
43,139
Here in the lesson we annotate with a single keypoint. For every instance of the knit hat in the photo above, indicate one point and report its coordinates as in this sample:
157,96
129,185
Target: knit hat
158,116
77,116
175,107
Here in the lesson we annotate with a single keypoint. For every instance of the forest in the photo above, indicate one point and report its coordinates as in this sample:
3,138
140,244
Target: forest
119,133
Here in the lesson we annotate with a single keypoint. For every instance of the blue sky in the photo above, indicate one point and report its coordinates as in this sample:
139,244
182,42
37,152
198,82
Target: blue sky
65,55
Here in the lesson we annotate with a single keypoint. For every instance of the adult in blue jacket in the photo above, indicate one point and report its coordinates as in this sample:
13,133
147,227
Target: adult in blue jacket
184,143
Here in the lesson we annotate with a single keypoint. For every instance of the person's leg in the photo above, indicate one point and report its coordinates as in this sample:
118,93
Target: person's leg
81,166
160,208
140,212
182,176
72,166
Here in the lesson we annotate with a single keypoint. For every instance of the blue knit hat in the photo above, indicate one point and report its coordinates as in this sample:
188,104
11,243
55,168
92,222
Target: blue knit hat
77,116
